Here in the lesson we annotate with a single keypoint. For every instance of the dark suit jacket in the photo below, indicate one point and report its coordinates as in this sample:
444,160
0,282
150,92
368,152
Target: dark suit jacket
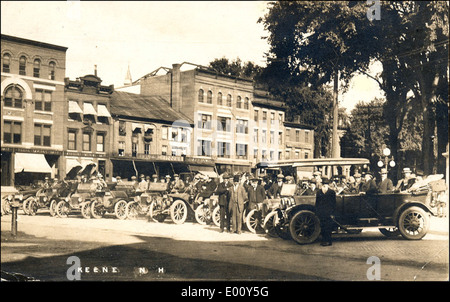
369,187
386,186
256,195
274,190
210,188
222,191
325,203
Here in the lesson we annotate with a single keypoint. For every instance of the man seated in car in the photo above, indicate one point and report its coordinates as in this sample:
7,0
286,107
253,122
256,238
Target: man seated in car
369,186
208,188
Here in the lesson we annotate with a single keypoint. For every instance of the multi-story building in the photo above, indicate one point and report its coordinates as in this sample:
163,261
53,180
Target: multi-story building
33,108
149,137
87,126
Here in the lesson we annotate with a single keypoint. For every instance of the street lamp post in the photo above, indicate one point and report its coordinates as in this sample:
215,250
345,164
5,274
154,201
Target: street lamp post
387,159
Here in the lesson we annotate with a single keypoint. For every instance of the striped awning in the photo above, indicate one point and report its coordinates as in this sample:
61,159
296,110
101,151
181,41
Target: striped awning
89,109
74,107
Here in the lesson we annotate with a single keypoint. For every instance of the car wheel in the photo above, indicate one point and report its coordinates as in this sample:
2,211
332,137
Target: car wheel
26,205
216,216
132,210
390,232
202,214
33,207
97,209
86,210
178,211
155,212
413,223
253,220
6,206
304,227
62,209
120,209
52,207
269,226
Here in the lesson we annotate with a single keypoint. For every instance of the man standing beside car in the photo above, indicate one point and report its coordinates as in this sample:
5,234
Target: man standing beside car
238,198
325,208
224,198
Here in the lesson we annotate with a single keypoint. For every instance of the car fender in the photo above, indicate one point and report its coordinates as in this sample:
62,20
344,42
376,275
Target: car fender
293,210
408,204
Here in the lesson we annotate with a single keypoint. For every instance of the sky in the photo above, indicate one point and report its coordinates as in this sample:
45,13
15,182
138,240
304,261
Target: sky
147,35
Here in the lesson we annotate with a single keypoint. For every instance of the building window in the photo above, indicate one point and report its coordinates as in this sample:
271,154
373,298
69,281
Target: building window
134,149
51,70
307,137
264,117
204,148
12,132
242,126
164,132
121,148
164,149
122,128
246,103
229,100
255,135
280,119
209,97
306,155
272,137
272,118
280,155
146,149
288,154
224,124
219,99
272,155
204,121
255,153
72,140
264,155
280,138
13,97
42,135
100,142
297,154
241,151
23,65
264,136
200,95
288,134
256,115
297,135
37,68
239,102
86,141
43,100
6,62
223,149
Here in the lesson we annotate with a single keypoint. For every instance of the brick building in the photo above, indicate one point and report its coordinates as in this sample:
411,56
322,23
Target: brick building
33,108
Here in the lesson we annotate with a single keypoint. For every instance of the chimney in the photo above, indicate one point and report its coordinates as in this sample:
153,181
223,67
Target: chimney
95,70
175,100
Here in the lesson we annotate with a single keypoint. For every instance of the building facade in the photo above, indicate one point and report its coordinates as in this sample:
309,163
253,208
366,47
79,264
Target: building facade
33,108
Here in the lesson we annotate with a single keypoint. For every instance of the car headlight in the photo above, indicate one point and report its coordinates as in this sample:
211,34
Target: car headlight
19,197
80,199
9,197
67,199
45,198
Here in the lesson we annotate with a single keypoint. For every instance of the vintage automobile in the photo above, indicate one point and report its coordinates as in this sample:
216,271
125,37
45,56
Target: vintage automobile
9,195
78,200
141,203
208,211
404,213
47,198
111,200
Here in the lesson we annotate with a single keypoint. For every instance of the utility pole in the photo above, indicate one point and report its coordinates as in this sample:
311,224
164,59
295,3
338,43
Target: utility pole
335,136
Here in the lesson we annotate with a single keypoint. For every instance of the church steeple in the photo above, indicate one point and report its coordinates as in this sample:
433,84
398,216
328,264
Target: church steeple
128,81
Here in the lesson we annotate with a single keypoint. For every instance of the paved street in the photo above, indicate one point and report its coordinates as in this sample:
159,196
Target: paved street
137,250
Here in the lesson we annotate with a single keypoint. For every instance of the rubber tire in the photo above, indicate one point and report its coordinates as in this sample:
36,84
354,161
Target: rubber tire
178,211
308,221
411,214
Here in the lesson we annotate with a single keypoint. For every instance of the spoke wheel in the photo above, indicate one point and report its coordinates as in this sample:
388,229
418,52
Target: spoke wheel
62,209
178,212
52,207
26,205
216,216
86,210
413,223
253,220
304,227
269,225
33,207
120,209
202,214
132,210
97,209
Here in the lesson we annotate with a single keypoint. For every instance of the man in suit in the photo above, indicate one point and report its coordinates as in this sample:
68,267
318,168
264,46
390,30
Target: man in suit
406,182
325,208
238,198
224,198
256,194
386,185
369,186
275,189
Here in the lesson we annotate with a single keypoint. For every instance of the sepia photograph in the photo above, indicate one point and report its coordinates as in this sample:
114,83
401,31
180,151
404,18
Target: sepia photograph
237,143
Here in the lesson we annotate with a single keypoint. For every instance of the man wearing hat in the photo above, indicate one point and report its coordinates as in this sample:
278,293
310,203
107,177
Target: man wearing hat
312,188
386,185
223,190
318,177
238,198
178,184
143,184
325,208
256,194
275,189
369,186
406,182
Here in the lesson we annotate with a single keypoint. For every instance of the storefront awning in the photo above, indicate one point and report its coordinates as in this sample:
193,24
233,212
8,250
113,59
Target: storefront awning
72,163
31,162
135,126
89,109
74,107
103,111
205,170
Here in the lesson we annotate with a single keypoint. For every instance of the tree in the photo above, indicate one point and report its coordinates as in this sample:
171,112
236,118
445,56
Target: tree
235,68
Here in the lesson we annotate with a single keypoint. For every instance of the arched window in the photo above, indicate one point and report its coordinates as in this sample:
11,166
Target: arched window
37,68
246,103
13,97
23,65
200,95
239,102
209,97
6,62
229,100
51,70
219,99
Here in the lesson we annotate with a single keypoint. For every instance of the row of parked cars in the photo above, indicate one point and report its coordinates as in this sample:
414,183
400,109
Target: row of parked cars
290,216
